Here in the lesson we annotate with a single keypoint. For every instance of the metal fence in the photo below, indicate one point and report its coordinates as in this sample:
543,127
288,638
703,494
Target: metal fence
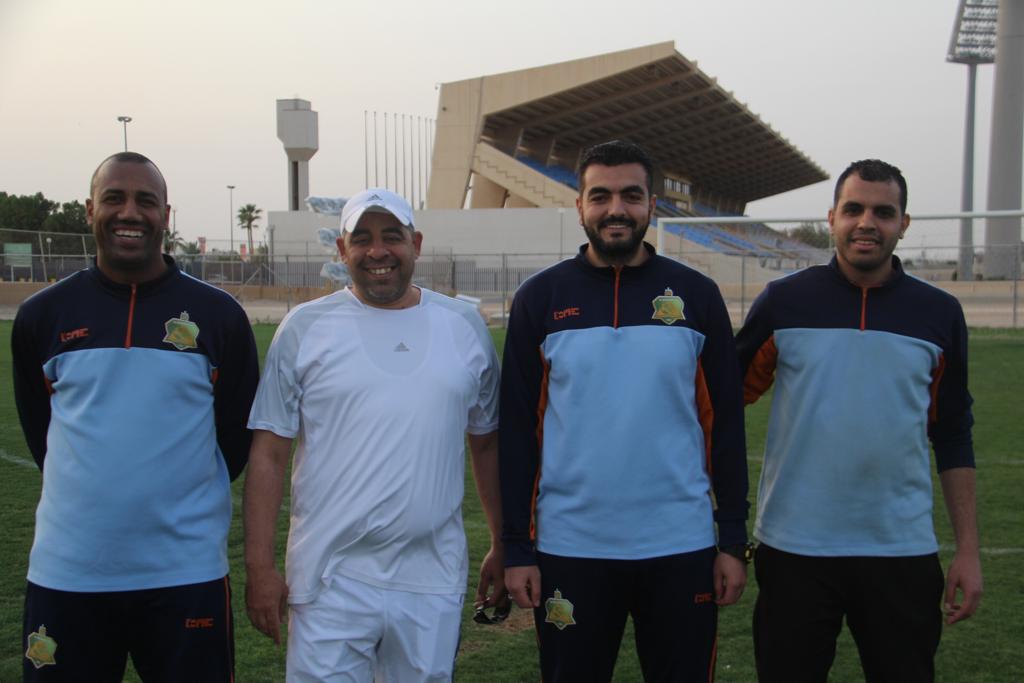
494,278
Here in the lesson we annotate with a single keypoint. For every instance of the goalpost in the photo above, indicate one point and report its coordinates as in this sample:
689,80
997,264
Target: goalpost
744,258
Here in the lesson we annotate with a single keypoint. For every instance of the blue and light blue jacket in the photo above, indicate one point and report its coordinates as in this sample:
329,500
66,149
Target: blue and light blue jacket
864,377
133,400
621,431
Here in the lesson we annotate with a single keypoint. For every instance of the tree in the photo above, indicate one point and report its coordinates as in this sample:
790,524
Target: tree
69,223
813,234
248,214
70,217
65,222
172,241
24,212
190,248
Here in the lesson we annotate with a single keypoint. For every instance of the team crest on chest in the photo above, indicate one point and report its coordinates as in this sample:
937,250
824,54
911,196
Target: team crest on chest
41,649
558,611
181,332
668,308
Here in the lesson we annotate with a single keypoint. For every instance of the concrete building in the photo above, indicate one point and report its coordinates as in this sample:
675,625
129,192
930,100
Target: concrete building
513,139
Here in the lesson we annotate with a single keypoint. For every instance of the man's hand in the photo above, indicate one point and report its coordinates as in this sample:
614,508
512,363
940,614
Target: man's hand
964,573
523,584
730,575
483,448
266,593
266,601
965,569
490,592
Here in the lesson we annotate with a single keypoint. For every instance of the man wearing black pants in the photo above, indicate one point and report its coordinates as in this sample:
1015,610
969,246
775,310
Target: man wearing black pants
621,415
133,383
869,364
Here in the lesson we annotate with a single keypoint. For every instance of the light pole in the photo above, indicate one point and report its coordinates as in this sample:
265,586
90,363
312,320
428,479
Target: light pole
124,121
49,248
231,217
973,42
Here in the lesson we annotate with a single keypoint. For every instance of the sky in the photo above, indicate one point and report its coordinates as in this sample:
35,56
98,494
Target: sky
841,80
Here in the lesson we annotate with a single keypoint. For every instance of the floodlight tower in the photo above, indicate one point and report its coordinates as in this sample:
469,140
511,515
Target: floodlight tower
1006,148
297,130
973,42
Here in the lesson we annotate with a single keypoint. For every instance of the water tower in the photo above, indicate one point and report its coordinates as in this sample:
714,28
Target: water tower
298,132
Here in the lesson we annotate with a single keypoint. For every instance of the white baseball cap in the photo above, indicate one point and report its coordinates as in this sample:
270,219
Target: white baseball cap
378,200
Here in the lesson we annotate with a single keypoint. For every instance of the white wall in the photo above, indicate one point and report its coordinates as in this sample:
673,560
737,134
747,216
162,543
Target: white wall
500,231
453,231
295,232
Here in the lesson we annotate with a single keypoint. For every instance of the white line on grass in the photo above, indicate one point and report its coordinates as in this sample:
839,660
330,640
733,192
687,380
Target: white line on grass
16,460
759,457
23,462
988,551
237,500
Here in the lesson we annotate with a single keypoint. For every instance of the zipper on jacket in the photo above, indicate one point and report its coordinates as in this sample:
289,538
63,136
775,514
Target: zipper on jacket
131,318
615,313
863,307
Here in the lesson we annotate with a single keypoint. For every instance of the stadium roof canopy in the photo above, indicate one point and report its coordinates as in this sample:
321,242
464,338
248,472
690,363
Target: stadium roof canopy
651,95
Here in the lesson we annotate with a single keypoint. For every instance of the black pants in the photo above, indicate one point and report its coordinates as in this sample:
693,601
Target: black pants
583,611
181,633
891,605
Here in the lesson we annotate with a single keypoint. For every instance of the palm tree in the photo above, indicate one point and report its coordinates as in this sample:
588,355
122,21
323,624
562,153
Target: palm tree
247,215
172,241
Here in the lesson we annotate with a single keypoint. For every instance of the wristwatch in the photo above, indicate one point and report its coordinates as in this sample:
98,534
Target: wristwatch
741,551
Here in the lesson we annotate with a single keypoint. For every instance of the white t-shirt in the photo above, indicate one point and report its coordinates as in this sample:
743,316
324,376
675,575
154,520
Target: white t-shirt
381,401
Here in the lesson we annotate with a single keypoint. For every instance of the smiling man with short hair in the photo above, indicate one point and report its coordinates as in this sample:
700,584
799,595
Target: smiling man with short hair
622,444
869,364
381,382
133,382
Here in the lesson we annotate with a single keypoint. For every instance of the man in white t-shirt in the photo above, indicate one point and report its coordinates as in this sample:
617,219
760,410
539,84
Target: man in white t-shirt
380,382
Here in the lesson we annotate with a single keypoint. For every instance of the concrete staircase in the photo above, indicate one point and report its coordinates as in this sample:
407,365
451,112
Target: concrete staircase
519,179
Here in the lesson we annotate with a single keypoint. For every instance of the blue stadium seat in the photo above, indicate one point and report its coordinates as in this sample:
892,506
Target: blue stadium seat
557,173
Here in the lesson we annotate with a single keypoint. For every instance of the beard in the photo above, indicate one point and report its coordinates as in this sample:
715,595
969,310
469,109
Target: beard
616,251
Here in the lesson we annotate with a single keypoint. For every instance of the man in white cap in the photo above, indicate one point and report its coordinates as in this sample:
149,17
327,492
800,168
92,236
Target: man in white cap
380,382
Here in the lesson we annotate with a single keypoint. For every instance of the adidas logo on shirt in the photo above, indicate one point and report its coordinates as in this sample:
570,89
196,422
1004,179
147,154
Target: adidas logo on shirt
401,347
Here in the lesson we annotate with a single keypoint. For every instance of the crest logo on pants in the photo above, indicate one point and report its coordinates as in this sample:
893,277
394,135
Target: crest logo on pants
41,649
559,611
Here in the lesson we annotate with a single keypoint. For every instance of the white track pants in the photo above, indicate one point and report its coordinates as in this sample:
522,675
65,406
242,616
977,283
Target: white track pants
356,633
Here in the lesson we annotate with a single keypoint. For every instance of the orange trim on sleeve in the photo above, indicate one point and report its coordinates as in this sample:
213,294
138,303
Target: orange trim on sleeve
542,405
933,388
761,372
705,413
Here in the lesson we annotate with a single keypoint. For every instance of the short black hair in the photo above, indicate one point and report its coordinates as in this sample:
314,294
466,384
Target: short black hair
873,171
127,158
616,153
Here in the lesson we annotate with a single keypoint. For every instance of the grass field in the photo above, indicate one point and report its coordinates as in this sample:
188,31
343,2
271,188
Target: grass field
985,649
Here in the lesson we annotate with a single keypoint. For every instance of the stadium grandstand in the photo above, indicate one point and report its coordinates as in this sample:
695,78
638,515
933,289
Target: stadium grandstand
512,140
